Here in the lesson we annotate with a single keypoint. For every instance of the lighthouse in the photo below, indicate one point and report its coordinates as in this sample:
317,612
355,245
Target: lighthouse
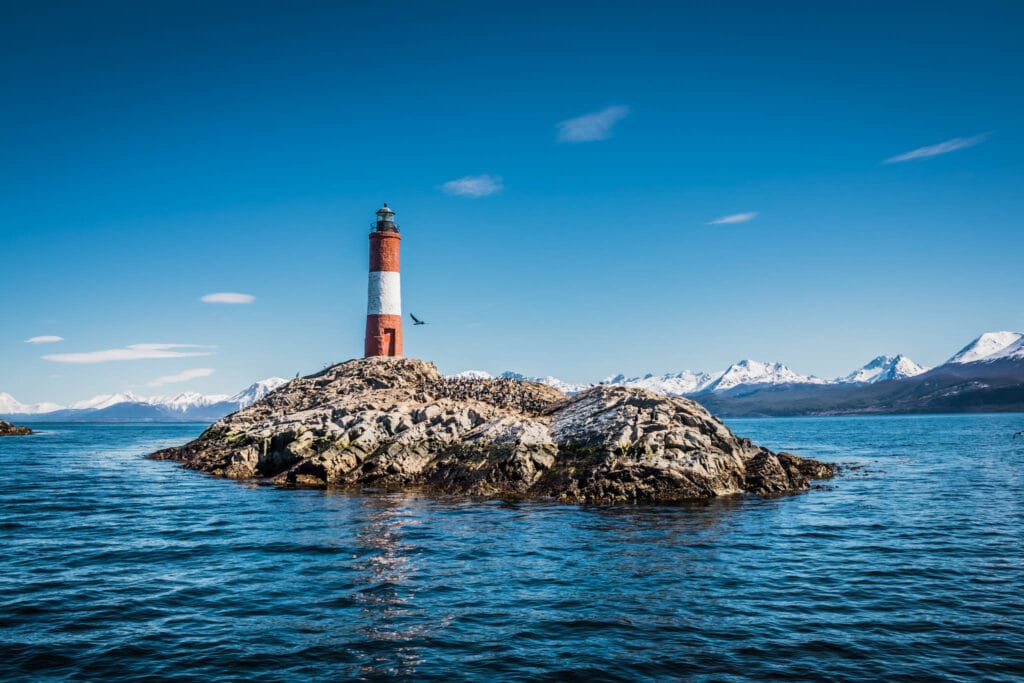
384,296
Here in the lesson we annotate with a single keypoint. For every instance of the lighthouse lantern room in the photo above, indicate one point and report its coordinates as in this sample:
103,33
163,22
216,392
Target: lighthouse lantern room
386,219
384,299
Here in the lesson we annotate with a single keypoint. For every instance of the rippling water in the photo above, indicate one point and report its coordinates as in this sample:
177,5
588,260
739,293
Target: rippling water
912,566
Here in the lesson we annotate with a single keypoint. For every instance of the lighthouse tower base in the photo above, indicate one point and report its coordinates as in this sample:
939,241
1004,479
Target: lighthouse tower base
383,335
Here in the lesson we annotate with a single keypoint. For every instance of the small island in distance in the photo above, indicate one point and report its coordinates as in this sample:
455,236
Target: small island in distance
7,429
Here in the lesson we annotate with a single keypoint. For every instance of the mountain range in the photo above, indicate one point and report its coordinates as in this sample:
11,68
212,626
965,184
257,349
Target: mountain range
128,407
739,375
987,375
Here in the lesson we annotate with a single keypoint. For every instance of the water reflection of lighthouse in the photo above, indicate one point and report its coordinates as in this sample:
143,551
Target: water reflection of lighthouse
391,623
384,295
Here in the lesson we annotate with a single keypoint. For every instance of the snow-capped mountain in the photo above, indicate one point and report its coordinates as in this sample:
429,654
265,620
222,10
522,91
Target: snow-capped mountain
254,392
989,346
987,375
561,385
102,401
745,372
1014,351
567,387
472,374
757,373
750,372
742,374
11,406
187,400
129,406
673,384
884,368
184,401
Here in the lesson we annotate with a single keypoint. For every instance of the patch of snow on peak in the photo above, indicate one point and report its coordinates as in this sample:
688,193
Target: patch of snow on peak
904,367
12,406
255,392
186,400
672,384
1015,351
508,374
884,368
472,374
106,400
9,404
987,345
563,386
748,372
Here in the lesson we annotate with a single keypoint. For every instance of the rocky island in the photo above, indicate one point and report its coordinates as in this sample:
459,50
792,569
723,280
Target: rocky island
398,424
7,429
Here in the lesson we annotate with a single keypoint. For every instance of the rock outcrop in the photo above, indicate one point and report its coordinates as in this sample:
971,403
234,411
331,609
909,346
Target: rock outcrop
7,429
399,424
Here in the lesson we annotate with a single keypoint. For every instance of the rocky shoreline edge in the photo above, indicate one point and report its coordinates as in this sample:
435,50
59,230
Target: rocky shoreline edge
7,429
398,424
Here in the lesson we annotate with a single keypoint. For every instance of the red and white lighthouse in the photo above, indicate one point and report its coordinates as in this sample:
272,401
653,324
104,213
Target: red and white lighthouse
384,299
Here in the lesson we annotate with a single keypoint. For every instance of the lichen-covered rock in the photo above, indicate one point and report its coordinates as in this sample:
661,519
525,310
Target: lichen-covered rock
399,424
7,429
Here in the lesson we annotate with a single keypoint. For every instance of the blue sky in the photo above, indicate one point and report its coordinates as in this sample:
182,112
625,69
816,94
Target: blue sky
154,153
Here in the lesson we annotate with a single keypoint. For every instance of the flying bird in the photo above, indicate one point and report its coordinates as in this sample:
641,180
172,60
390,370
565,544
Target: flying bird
417,321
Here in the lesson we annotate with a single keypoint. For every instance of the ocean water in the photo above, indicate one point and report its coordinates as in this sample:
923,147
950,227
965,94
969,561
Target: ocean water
910,566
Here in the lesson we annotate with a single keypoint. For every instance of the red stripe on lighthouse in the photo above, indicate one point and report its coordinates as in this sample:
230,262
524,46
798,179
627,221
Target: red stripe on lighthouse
384,251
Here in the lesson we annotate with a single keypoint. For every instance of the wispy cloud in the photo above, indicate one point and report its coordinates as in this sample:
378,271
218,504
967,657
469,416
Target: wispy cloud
132,352
474,185
941,148
183,376
228,298
734,218
44,339
591,127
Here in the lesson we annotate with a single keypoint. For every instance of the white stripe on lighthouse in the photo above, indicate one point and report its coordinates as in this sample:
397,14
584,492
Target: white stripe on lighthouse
385,294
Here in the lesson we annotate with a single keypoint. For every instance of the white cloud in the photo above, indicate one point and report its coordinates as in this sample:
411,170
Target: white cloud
941,148
735,218
44,339
590,127
132,352
474,185
228,298
183,376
